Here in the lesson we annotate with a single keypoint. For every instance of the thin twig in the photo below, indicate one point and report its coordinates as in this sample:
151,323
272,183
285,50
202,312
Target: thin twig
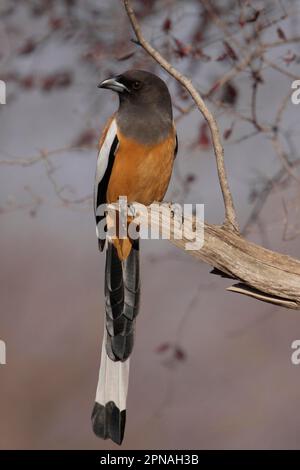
230,214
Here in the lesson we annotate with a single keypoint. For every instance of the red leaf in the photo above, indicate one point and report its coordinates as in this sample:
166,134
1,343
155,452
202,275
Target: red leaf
58,80
167,25
198,37
231,53
28,47
190,178
163,347
250,19
86,138
281,34
27,82
230,94
253,18
56,23
227,133
213,88
182,50
222,57
204,138
198,53
47,83
289,57
179,354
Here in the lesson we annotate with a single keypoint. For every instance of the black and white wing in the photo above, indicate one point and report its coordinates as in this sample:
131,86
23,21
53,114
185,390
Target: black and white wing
105,163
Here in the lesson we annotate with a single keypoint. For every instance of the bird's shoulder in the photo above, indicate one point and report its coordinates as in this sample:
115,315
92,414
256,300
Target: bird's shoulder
106,129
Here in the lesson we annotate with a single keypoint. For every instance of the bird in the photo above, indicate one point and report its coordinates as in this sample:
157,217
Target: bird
135,160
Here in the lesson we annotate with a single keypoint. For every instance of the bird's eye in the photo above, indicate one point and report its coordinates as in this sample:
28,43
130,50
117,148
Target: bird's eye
136,85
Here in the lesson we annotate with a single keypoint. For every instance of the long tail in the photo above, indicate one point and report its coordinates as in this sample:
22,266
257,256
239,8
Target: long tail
122,293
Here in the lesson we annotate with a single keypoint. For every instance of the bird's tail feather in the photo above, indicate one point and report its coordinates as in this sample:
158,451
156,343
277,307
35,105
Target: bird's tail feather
122,293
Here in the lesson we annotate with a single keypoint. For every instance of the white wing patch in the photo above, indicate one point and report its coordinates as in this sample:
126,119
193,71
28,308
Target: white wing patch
103,154
103,158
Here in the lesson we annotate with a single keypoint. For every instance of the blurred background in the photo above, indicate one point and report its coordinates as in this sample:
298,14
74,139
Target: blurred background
210,369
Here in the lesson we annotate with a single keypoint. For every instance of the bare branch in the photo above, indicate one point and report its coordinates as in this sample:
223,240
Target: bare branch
281,42
28,161
263,274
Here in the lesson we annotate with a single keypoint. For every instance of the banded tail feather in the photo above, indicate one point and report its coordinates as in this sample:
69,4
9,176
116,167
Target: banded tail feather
122,293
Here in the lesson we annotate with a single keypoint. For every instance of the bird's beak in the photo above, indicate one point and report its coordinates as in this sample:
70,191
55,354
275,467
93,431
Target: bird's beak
113,84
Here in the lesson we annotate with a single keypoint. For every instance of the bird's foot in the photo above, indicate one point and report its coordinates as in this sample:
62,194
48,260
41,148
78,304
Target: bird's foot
131,209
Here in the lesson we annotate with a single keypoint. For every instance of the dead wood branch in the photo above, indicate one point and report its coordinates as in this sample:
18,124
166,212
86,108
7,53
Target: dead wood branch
261,273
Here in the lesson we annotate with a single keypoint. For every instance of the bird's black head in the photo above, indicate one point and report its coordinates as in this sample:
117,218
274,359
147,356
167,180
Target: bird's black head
139,87
145,111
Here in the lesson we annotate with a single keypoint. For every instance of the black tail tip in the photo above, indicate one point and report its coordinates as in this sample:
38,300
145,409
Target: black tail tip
109,422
